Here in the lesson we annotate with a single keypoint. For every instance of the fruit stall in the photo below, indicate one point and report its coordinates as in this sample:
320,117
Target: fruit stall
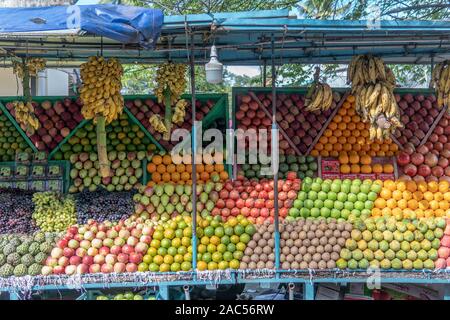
96,204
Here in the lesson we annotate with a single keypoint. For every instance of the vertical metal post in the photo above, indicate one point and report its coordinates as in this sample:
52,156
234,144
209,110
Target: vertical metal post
432,67
164,292
447,292
308,290
275,156
264,75
194,151
187,294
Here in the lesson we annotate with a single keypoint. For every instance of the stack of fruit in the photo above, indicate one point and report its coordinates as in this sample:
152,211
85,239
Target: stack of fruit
305,244
16,209
254,199
304,166
417,114
163,170
53,212
22,255
122,135
390,244
300,126
347,137
164,201
125,174
99,247
145,109
339,199
430,161
102,205
444,250
56,119
411,200
11,141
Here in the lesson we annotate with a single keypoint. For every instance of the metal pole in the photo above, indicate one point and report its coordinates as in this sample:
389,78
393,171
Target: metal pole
275,156
194,150
432,67
264,79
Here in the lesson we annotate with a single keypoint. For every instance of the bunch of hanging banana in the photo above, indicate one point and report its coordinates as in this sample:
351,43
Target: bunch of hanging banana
24,113
440,81
157,123
364,69
100,90
180,112
170,76
376,104
34,65
319,97
373,86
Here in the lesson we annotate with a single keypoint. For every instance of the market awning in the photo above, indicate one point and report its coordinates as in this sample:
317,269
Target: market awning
244,38
123,24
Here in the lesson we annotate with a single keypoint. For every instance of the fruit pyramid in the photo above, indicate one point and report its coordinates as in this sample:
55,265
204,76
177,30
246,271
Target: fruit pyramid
411,200
347,138
10,140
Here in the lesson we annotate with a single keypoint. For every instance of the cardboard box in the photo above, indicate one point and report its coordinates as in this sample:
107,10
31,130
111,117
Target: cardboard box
371,176
330,165
331,176
385,176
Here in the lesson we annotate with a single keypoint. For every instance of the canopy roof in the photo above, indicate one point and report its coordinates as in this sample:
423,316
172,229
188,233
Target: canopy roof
244,38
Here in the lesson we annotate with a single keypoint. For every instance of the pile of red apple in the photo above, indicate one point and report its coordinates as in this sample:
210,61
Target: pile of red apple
300,126
430,161
417,114
254,199
143,110
56,119
99,248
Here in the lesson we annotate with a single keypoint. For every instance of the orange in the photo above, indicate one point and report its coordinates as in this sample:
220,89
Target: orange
175,177
343,158
223,175
328,147
389,184
345,168
444,186
385,194
166,177
353,157
204,176
444,205
161,168
325,153
366,159
424,205
185,176
328,133
376,212
386,211
171,168
401,186
323,140
413,204
151,167
314,153
447,196
334,153
342,126
428,196
380,203
346,105
402,203
391,203
388,168
351,98
377,168
157,159
439,213
422,186
433,186
411,186
434,205
189,168
355,168
438,196
319,146
156,176
209,168
397,195
331,126
219,167
181,168
167,159
407,195
418,196
366,169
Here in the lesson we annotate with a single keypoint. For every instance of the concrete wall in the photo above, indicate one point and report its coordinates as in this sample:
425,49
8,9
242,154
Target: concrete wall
8,83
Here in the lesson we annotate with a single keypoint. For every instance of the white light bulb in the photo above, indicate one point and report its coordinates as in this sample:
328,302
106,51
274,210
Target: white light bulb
214,68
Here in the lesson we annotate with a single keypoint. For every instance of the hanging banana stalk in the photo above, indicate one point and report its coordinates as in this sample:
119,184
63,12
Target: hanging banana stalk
440,81
171,84
102,101
319,95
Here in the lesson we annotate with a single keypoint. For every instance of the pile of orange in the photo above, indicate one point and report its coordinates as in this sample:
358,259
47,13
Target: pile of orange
352,162
410,199
347,134
163,170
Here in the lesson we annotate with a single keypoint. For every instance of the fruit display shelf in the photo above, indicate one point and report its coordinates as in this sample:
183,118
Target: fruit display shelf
299,130
210,107
87,285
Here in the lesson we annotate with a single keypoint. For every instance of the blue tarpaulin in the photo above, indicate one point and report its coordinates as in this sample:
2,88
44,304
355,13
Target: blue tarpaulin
121,23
